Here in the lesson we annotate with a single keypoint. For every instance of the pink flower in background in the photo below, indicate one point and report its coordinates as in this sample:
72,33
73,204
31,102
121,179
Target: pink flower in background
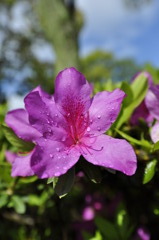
149,108
67,125
143,234
142,111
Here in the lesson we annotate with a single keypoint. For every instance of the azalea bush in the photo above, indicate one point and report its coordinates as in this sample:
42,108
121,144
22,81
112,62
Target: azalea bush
82,162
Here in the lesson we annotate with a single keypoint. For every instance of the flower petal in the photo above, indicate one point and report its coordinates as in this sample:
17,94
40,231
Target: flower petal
72,92
44,116
52,159
155,133
10,156
42,93
21,166
18,121
111,153
104,110
141,112
152,101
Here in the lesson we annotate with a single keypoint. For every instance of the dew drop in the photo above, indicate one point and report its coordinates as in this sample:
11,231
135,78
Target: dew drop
58,157
63,139
58,149
57,174
48,121
56,115
68,114
51,155
99,117
88,129
91,121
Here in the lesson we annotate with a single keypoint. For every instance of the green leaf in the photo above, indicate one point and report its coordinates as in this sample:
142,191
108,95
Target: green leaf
18,204
50,180
142,142
3,200
127,89
155,147
92,171
65,183
97,236
149,171
18,143
107,228
139,88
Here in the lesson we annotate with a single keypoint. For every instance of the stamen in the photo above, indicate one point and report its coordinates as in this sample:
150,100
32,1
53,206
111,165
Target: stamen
87,147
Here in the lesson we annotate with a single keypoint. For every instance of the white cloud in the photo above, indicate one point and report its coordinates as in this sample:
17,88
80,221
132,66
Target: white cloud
112,26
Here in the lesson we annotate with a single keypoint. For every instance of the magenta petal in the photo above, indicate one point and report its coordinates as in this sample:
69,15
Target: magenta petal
45,117
104,110
42,93
10,156
21,166
18,121
141,112
155,133
111,153
52,159
152,101
72,92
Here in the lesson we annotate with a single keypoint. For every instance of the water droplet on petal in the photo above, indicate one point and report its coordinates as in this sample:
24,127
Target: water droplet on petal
88,129
51,155
57,174
59,157
99,117
99,128
58,149
63,139
56,115
68,114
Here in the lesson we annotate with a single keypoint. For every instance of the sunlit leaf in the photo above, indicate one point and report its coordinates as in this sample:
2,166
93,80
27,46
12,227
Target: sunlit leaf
149,171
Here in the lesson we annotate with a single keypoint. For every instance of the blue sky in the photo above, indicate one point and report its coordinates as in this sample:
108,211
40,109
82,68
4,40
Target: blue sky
111,26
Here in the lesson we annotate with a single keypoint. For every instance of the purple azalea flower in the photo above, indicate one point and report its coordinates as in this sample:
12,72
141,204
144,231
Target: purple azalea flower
67,125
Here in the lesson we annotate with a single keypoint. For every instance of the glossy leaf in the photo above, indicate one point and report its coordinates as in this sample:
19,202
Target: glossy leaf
93,172
149,171
65,183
